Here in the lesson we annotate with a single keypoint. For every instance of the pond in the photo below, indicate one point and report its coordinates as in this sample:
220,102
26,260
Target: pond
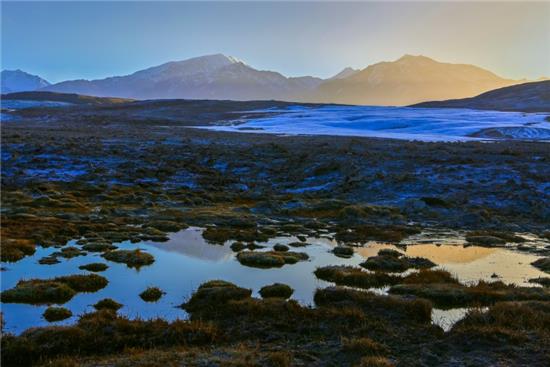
187,260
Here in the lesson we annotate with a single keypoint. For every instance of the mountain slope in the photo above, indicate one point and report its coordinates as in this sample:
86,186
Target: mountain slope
19,81
408,80
527,97
207,77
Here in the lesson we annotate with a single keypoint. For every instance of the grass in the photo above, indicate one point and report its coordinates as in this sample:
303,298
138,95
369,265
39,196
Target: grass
15,249
277,290
95,267
354,277
450,294
52,314
394,261
343,251
107,304
102,332
544,281
542,264
132,258
57,290
281,248
270,259
213,294
151,294
363,346
98,247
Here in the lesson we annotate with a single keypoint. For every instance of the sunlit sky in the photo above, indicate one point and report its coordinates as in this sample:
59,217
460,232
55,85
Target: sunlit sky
70,40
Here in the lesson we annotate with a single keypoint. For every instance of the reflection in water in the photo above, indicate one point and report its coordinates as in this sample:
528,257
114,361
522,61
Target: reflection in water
186,261
190,243
471,264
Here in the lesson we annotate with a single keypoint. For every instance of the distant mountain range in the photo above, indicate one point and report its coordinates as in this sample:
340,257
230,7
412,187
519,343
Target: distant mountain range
408,80
19,81
527,97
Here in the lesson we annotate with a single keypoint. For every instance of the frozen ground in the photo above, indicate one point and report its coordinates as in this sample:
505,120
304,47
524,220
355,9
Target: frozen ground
398,122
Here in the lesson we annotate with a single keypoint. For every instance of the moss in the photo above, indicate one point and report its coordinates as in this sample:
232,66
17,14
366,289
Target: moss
56,314
343,251
213,294
132,258
542,264
95,267
107,304
354,277
270,259
237,246
276,290
151,294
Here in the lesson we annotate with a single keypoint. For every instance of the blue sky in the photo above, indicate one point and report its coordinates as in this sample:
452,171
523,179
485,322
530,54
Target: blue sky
69,40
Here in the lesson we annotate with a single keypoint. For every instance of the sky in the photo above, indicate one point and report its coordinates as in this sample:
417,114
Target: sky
89,40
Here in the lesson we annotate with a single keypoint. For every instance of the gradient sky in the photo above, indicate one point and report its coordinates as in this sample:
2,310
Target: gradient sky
65,40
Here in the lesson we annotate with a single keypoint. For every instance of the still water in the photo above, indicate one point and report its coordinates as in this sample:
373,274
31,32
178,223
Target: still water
187,260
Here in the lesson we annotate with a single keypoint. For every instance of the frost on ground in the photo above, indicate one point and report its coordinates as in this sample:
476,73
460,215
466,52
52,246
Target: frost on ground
444,124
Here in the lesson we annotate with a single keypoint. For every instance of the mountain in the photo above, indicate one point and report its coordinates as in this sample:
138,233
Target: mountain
527,97
408,80
347,72
19,81
206,77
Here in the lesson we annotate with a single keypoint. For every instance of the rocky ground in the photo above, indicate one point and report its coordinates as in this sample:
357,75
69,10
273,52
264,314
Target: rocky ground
111,173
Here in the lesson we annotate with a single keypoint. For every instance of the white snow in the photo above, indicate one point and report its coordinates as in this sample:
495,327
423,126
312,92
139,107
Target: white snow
423,124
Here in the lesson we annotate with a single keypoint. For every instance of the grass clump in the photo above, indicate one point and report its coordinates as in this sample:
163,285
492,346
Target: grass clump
270,259
545,282
132,258
542,264
212,294
374,361
151,294
107,304
448,295
390,307
98,247
69,252
428,276
394,261
95,267
15,249
281,248
56,314
354,277
277,290
343,251
102,332
363,346
58,290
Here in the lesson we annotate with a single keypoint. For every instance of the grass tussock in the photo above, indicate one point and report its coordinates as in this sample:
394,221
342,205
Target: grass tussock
355,277
151,294
132,258
102,332
394,261
270,259
95,267
57,290
276,290
107,304
15,249
343,251
542,264
52,314
363,346
213,294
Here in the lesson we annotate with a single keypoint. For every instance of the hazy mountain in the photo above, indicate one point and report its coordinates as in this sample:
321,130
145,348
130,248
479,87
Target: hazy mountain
527,97
19,81
408,80
347,72
207,77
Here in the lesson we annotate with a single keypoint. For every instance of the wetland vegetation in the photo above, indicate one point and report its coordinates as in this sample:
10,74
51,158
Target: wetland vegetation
188,228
